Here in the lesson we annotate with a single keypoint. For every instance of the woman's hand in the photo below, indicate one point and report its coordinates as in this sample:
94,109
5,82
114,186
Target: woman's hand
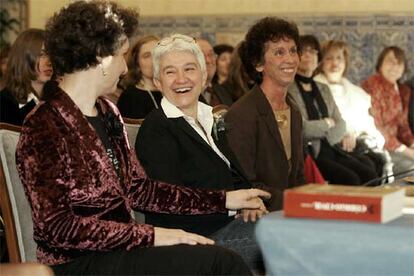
246,199
349,142
251,215
165,237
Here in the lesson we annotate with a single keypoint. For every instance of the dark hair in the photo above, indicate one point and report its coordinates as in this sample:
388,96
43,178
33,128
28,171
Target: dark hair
22,64
253,47
134,71
84,30
399,55
310,41
220,49
223,48
238,80
4,55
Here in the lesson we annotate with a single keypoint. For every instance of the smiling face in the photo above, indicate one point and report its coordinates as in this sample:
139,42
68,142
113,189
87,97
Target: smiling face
209,56
391,68
181,79
280,63
334,64
308,61
114,67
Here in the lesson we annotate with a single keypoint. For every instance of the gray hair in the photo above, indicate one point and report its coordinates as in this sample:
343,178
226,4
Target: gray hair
176,42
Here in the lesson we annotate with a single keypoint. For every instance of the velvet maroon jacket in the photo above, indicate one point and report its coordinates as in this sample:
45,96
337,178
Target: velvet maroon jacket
79,204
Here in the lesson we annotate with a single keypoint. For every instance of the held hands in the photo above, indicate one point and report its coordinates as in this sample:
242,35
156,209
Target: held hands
349,142
251,215
165,237
246,199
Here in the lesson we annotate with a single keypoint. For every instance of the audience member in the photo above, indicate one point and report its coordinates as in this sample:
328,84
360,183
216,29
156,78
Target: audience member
28,69
353,104
81,177
223,52
4,57
238,82
176,144
323,126
390,114
140,96
264,127
212,94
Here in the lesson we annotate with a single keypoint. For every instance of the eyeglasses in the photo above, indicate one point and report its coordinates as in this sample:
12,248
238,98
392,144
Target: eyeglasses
309,50
170,39
281,52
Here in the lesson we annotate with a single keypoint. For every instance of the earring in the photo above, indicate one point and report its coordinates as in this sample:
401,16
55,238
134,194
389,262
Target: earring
103,70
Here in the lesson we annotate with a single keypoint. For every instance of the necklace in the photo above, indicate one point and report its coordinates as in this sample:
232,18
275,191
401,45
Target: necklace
281,120
145,86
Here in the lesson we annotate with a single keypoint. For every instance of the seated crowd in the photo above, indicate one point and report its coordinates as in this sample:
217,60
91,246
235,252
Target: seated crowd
201,180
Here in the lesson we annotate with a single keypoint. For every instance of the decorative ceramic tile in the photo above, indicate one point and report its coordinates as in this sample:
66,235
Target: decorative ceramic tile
365,35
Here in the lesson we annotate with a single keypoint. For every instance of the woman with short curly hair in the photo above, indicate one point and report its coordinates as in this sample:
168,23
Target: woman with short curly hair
82,178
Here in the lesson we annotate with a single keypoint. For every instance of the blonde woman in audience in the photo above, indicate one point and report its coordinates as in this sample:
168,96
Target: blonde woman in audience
28,69
390,114
352,101
141,96
80,174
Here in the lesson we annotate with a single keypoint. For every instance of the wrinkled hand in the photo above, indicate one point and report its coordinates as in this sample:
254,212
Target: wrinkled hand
246,199
349,142
165,237
251,215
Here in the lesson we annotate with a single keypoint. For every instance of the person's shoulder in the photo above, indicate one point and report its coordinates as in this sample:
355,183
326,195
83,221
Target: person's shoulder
156,119
131,92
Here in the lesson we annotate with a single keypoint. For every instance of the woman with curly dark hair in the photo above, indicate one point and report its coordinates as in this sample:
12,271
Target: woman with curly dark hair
82,178
28,68
264,127
141,96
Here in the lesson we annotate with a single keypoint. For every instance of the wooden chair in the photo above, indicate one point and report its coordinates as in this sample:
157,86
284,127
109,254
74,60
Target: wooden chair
15,208
132,126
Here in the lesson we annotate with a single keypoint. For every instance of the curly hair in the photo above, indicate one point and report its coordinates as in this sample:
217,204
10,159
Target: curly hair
23,63
134,74
85,30
253,48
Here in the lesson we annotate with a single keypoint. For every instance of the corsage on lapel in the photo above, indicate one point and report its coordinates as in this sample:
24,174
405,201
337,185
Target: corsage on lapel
113,125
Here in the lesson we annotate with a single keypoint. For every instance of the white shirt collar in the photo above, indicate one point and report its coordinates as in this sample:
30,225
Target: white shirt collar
204,117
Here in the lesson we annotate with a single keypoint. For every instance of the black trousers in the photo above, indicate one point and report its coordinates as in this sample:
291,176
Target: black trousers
165,260
341,168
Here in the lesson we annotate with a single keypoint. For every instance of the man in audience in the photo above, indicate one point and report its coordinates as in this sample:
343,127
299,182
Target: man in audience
212,94
264,127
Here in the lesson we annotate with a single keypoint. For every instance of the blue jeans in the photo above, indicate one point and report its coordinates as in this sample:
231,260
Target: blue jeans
239,237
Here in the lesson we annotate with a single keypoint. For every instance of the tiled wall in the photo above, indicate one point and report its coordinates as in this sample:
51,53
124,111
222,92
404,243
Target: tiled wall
366,35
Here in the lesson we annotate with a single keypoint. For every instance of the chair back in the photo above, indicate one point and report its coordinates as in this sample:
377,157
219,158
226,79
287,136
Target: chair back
14,205
132,126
